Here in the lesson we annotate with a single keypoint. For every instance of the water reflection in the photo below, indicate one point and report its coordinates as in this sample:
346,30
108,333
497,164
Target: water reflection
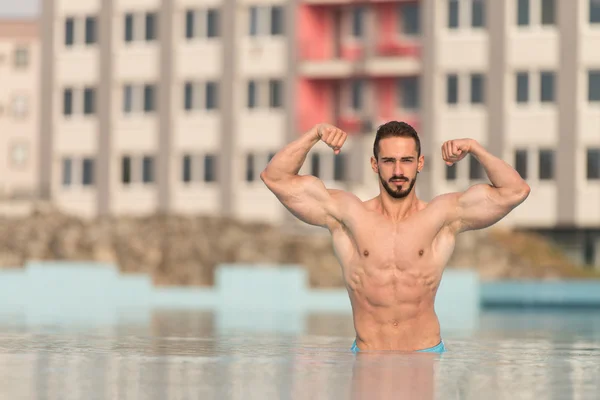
192,355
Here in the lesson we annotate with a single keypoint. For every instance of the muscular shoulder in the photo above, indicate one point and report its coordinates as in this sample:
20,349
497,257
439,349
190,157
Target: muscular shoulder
445,206
346,203
344,199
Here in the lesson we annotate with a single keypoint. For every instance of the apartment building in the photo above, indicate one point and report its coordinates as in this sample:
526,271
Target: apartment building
177,105
523,78
19,79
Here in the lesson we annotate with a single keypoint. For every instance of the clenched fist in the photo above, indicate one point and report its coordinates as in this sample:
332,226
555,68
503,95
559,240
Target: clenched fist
455,150
331,136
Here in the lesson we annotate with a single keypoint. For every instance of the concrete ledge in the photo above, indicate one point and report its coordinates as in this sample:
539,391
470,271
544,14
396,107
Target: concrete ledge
570,293
243,295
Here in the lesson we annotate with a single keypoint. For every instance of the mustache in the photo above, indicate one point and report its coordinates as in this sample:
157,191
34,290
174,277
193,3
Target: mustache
401,178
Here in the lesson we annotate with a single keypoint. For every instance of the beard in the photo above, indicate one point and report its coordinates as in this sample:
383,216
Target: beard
399,193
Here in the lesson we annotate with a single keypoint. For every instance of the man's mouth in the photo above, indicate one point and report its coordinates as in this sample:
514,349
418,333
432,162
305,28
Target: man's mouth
398,180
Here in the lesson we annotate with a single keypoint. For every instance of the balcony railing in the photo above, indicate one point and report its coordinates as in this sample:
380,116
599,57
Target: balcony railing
312,51
396,48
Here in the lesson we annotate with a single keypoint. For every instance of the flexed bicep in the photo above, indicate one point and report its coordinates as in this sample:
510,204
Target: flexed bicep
307,198
483,205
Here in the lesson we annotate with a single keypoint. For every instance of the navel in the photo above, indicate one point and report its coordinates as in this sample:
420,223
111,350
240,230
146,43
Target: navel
421,252
366,253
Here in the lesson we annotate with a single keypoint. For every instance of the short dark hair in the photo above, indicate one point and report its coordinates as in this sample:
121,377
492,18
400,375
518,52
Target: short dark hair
395,129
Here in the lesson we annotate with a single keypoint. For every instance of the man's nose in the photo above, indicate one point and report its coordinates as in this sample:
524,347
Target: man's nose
398,168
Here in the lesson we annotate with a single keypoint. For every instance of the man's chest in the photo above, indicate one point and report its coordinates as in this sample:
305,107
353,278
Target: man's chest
387,243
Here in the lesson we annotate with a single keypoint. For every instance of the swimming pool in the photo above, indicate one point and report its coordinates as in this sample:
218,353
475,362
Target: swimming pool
191,354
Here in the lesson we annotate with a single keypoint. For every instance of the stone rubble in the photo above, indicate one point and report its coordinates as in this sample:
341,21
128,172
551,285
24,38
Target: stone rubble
184,250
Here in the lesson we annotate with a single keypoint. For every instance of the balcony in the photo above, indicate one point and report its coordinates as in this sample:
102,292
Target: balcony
394,57
319,62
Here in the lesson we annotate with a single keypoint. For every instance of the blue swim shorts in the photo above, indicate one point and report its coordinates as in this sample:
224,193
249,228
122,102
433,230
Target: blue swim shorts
439,348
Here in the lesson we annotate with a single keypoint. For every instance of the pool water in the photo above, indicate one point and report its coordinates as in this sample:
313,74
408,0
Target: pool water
514,354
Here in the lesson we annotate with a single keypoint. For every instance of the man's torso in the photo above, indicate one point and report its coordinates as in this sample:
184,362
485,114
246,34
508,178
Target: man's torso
392,271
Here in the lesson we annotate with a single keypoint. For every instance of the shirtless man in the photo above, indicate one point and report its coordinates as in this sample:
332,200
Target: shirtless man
393,248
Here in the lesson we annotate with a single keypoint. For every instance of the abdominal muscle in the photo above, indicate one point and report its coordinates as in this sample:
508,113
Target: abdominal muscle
393,308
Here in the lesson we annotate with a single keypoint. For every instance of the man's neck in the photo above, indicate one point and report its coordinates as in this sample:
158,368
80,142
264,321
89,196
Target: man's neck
398,209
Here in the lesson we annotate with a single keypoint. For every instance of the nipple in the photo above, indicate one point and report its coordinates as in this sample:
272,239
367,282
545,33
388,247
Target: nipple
366,253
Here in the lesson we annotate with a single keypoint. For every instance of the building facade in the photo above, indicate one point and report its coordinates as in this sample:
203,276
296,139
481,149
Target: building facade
19,82
177,105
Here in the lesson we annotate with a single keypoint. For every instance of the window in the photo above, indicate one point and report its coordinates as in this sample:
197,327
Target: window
20,107
90,30
151,27
190,171
593,163
134,27
212,23
190,24
522,87
188,96
547,87
475,169
453,14
315,165
67,172
277,20
478,13
548,12
523,12
252,98
477,89
594,85
149,98
546,165
19,154
339,167
357,30
89,101
187,169
356,88
21,57
265,94
126,169
128,27
68,102
201,95
410,19
210,168
451,172
148,169
88,172
275,94
253,21
127,99
212,95
249,167
521,163
69,32
594,12
452,89
266,20
409,93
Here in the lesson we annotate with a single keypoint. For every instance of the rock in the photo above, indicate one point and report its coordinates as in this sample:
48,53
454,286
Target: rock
177,250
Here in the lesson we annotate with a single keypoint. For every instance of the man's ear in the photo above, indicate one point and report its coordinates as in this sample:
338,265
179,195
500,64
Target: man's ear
374,164
421,163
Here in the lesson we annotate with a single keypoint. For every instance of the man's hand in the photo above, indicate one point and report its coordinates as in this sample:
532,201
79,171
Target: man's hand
455,150
331,136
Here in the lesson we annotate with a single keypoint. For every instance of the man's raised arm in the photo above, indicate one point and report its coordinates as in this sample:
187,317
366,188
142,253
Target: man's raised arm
305,196
483,205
